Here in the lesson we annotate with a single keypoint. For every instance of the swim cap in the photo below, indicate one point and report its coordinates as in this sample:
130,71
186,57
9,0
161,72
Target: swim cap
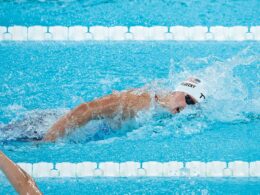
194,88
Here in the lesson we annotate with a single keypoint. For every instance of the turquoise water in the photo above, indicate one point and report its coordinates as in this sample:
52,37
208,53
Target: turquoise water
130,12
41,81
147,186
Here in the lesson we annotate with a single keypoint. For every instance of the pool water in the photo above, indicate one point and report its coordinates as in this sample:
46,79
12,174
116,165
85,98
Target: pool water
40,81
55,77
130,12
146,186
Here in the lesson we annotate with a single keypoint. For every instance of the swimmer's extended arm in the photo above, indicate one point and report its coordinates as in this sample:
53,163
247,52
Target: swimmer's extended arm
107,106
20,180
85,112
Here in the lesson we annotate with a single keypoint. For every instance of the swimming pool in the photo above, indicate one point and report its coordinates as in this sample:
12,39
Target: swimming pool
42,80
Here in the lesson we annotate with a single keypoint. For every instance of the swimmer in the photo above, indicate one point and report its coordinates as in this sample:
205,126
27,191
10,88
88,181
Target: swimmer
127,103
21,181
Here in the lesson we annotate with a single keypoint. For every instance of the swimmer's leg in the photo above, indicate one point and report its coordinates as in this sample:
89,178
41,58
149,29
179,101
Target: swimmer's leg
30,127
20,180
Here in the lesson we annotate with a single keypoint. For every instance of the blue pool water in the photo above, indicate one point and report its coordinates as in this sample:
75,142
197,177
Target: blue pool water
130,12
147,186
54,77
40,81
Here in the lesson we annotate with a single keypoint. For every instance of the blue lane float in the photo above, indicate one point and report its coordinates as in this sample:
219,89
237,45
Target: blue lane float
145,169
134,33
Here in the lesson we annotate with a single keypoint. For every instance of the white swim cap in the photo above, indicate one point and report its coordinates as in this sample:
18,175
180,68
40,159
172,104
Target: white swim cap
193,87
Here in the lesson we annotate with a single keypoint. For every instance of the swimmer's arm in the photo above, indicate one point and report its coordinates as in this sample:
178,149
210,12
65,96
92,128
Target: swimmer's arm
75,117
20,180
82,114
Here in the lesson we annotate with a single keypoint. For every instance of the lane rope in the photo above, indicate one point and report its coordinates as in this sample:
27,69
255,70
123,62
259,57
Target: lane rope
143,169
133,33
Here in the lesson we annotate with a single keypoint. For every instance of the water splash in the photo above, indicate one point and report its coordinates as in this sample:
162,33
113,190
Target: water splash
29,125
232,97
228,96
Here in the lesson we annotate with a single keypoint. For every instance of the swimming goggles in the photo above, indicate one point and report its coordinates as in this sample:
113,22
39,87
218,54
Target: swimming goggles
189,100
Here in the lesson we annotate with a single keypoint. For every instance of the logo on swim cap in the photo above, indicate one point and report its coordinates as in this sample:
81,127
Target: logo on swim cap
202,96
194,88
188,85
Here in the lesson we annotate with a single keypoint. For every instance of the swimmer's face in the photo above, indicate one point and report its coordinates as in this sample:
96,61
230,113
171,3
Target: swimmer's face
178,101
